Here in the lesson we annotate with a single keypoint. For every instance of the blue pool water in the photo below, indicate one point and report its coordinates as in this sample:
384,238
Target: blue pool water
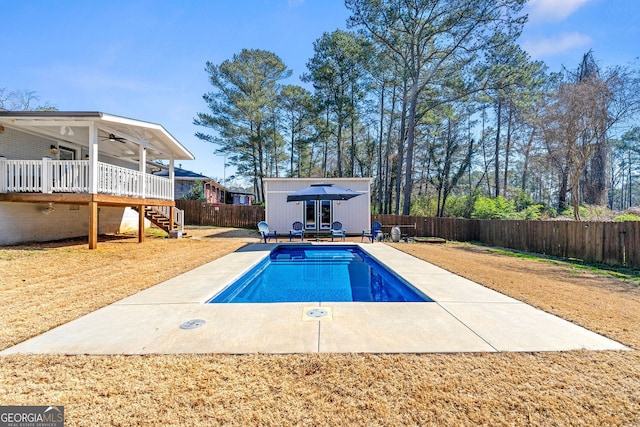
315,273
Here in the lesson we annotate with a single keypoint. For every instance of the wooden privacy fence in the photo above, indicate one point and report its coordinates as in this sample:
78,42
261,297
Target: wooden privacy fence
611,243
220,215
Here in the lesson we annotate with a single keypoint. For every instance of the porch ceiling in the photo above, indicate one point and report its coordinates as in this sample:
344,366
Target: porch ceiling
73,127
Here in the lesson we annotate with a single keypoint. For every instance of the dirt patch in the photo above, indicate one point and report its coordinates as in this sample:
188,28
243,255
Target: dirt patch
45,285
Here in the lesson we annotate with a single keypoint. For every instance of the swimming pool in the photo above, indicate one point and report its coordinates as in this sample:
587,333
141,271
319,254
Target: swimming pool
319,273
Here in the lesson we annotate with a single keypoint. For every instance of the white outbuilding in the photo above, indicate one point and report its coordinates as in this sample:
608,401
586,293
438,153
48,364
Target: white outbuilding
317,215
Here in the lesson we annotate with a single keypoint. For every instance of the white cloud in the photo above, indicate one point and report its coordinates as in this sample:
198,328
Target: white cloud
553,10
555,45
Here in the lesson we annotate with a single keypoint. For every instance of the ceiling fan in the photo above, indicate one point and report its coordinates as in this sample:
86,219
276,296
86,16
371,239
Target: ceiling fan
114,138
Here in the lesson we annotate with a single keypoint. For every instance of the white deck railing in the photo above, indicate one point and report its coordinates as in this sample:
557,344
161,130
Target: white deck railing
72,176
119,181
68,176
161,187
21,176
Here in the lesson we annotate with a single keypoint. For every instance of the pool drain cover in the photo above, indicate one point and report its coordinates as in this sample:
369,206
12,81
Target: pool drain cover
192,324
317,313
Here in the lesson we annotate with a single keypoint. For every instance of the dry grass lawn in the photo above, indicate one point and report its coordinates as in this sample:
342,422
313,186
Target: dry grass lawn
42,286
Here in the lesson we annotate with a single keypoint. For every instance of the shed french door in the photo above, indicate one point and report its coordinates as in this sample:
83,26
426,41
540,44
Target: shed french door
317,215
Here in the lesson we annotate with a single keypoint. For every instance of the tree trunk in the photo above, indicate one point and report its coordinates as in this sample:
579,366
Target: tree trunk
496,165
400,161
275,146
325,151
575,199
388,183
484,152
339,148
562,193
293,140
379,186
525,166
260,162
629,171
411,133
596,178
352,160
507,148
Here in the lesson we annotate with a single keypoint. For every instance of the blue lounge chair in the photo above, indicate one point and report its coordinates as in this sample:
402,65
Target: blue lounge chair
296,231
373,234
263,228
338,231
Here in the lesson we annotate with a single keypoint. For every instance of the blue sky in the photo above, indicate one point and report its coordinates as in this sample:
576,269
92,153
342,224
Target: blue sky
146,59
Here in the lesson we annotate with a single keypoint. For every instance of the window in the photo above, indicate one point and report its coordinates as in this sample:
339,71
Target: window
66,153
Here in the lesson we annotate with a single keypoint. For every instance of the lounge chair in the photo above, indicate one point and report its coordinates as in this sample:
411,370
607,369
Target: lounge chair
338,231
373,234
263,228
296,231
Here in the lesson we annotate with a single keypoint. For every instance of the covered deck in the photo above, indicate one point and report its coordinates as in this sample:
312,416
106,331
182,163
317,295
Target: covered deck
94,159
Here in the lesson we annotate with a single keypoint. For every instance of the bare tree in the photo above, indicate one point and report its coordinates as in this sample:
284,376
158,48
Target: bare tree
22,100
575,122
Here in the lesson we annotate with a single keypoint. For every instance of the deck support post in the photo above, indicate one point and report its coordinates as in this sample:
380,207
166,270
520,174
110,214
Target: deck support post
140,223
93,224
172,212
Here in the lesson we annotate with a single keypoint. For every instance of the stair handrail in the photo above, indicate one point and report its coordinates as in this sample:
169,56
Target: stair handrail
178,215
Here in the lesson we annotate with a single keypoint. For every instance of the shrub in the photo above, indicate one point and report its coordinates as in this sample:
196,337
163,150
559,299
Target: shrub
195,192
459,206
424,206
532,212
488,208
522,200
591,213
627,217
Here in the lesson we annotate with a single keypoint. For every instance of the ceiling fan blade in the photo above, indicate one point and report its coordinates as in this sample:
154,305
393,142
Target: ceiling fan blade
114,138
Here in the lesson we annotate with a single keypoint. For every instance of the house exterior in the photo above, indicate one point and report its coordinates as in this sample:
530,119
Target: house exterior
317,216
212,191
215,192
74,174
239,197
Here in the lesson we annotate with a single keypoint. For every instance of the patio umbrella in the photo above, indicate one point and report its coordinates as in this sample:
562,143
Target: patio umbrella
322,191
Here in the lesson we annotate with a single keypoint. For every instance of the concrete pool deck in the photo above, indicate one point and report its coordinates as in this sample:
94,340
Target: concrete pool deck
464,317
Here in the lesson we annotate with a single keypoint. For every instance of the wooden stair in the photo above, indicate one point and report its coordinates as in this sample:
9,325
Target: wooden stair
158,218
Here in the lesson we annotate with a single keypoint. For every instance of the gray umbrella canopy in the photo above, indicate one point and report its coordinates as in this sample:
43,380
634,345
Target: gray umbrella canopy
322,191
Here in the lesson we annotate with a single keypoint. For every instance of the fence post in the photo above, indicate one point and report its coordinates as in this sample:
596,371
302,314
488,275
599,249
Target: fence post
46,175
